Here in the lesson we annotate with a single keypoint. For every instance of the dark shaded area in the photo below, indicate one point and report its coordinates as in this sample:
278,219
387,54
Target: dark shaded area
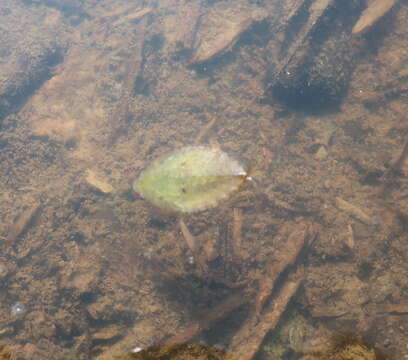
36,71
141,86
155,43
378,32
315,79
295,25
191,293
354,129
373,178
160,223
257,34
70,8
365,270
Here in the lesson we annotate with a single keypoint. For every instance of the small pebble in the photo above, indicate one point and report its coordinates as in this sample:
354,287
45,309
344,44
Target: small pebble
18,309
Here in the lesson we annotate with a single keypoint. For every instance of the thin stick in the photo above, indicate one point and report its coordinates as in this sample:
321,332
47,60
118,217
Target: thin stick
192,244
399,161
395,166
236,233
210,318
188,236
206,129
246,343
293,243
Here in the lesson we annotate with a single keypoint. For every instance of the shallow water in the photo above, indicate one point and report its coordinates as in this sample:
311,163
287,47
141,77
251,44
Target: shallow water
92,92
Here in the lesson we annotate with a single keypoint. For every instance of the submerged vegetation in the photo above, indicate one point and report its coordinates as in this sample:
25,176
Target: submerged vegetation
179,352
5,353
347,346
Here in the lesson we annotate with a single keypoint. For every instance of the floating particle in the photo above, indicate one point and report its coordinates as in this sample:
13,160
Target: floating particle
136,350
18,309
190,179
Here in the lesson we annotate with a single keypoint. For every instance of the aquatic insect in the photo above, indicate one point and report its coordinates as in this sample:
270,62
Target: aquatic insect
191,179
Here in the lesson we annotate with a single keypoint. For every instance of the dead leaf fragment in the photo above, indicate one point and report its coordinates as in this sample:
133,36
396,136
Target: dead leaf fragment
219,31
354,211
100,185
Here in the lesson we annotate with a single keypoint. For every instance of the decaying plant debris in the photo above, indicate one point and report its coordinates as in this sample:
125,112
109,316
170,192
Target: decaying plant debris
252,285
375,11
92,91
318,55
220,28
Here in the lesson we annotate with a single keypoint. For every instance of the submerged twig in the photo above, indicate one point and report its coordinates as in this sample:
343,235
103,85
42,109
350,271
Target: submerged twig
395,167
294,242
190,240
316,12
134,71
354,211
245,344
253,331
236,234
193,246
398,162
136,15
206,129
211,317
350,243
191,22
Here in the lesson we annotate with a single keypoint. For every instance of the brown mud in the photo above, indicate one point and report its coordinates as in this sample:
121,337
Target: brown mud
92,91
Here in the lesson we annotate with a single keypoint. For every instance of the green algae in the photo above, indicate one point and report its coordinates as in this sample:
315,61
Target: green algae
190,179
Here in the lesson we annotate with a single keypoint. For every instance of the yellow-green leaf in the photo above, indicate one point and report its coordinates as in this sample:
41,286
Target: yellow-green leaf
190,179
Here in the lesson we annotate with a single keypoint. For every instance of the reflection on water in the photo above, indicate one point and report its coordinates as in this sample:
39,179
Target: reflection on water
311,95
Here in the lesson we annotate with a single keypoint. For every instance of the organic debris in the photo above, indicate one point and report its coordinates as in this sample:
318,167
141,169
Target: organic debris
133,16
314,74
220,30
106,85
5,353
179,352
354,211
93,180
190,179
247,341
345,346
375,11
262,318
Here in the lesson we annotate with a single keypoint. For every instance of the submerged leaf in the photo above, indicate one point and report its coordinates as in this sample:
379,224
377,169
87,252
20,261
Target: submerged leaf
190,179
